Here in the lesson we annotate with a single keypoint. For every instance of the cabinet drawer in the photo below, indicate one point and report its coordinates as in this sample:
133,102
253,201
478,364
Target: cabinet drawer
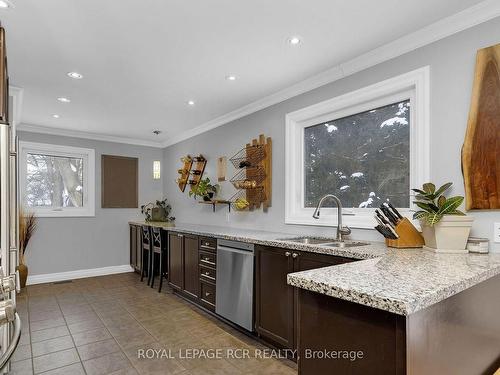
207,258
207,243
207,294
207,273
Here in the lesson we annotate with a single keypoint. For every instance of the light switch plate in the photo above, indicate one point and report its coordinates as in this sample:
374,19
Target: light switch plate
496,235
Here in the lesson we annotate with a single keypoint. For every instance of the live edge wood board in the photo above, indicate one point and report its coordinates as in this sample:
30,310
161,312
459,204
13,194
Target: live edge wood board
481,149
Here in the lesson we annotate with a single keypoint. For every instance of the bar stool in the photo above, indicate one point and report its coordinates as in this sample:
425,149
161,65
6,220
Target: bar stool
146,253
159,242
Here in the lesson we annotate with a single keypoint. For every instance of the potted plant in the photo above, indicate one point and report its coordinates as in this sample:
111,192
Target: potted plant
27,226
158,211
205,190
444,227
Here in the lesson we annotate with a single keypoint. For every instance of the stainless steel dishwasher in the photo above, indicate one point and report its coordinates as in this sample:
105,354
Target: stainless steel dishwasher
234,291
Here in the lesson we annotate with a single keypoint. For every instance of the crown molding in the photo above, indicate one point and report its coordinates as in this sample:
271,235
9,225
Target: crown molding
86,135
443,28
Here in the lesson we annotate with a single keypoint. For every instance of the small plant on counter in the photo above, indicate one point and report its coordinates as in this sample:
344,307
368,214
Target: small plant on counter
204,189
158,211
434,205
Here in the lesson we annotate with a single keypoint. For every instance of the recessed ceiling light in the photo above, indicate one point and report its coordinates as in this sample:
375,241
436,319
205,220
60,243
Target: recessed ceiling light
294,40
4,4
190,102
231,78
74,75
64,100
55,116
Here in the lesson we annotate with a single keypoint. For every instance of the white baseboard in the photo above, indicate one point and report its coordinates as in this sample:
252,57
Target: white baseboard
78,274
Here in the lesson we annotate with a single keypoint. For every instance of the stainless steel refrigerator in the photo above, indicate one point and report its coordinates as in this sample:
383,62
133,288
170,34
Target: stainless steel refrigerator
10,323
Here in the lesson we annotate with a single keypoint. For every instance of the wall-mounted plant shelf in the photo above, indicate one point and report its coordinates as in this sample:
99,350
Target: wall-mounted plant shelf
253,178
182,180
197,169
216,203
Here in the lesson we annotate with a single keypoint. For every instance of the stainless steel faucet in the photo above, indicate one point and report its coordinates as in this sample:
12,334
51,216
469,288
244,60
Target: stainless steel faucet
341,230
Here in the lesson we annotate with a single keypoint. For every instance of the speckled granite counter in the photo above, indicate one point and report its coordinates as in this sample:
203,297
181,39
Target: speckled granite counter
398,281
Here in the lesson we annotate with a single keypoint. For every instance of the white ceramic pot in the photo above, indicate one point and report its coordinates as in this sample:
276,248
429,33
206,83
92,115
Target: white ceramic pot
449,235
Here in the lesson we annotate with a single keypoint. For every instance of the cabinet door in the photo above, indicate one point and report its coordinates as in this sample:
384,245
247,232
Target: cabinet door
191,272
274,297
138,247
133,246
176,261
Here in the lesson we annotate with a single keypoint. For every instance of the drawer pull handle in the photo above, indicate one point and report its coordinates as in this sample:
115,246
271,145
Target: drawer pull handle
207,294
207,273
295,255
287,254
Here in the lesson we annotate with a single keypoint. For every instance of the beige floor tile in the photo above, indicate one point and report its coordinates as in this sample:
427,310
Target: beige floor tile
106,364
80,317
50,333
24,367
97,349
52,345
48,323
74,369
88,337
88,325
55,360
22,352
134,339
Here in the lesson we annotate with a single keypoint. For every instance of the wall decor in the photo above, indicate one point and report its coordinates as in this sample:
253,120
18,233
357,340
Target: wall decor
221,168
481,149
183,172
253,176
119,181
196,173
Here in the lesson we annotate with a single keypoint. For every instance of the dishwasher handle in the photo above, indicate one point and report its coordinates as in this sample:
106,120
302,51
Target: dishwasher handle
233,250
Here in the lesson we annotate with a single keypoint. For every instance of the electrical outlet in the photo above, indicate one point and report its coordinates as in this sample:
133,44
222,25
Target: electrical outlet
496,235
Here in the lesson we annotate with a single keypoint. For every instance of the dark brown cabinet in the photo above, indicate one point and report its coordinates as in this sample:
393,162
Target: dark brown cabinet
191,276
207,266
276,301
176,260
135,247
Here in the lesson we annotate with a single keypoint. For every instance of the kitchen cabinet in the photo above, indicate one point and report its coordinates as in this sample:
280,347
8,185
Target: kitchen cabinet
276,301
207,266
135,247
191,275
176,260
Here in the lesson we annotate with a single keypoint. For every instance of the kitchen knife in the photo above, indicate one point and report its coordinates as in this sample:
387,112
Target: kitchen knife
388,214
395,210
387,229
382,217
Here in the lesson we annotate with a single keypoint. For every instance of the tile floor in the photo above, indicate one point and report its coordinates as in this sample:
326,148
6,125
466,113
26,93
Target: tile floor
98,326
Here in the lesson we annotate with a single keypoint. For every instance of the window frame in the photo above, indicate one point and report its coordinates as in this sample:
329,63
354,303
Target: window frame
88,156
414,86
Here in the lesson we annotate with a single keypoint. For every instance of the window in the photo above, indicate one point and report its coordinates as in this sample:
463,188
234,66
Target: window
366,147
57,181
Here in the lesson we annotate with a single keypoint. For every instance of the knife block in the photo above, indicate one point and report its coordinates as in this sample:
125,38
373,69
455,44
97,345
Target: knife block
409,236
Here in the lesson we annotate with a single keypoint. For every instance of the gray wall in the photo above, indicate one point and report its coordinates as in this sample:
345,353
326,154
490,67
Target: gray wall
74,243
452,68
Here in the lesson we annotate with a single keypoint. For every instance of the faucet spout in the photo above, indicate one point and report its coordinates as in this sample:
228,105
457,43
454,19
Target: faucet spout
341,230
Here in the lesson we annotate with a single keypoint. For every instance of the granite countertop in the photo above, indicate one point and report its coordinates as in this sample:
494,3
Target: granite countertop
401,281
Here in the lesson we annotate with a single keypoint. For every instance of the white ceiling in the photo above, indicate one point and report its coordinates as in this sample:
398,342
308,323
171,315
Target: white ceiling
143,60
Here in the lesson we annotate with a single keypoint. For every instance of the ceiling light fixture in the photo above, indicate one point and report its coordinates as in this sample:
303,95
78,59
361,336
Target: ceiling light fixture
55,116
64,100
231,78
294,40
74,75
4,4
190,102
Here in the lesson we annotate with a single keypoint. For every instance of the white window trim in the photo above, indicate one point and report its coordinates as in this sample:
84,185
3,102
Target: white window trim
414,85
88,156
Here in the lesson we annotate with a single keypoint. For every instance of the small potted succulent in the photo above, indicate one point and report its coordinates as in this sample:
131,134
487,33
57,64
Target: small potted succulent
444,227
205,190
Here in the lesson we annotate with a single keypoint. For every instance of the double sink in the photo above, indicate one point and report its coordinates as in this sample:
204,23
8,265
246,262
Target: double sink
327,242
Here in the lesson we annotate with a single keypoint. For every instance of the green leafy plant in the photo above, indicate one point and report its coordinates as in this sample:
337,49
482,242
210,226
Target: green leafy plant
204,189
160,211
434,205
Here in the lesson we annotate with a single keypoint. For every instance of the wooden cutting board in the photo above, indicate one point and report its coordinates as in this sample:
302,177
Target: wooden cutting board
481,149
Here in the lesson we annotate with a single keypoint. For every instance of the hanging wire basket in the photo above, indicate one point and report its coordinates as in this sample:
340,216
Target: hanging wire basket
252,197
249,156
249,178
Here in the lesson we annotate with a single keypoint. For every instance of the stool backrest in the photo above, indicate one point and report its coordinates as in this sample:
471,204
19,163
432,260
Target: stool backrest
157,239
146,237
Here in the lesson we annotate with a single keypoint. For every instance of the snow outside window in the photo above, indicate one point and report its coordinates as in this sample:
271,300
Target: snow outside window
366,147
57,180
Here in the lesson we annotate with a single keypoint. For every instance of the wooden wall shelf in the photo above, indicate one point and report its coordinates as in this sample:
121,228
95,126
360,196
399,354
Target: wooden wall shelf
182,180
197,169
253,178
